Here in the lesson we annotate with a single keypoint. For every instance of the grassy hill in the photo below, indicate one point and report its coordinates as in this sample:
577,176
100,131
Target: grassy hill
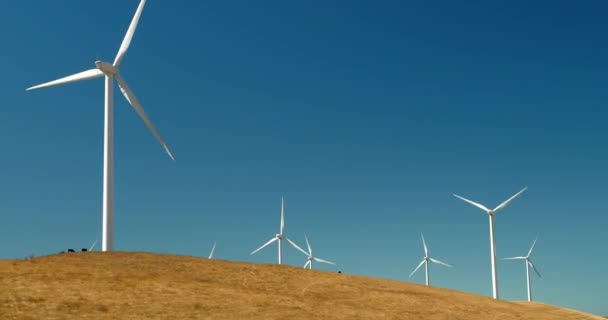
152,286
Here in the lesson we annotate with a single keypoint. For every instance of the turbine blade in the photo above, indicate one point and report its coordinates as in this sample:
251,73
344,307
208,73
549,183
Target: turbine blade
504,204
323,261
212,249
296,246
439,262
282,216
85,75
532,248
308,244
267,243
426,250
535,270
126,91
93,245
480,206
515,258
129,35
306,264
418,267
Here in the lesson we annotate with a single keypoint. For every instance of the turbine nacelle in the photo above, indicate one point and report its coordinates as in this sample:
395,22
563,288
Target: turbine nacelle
279,236
106,68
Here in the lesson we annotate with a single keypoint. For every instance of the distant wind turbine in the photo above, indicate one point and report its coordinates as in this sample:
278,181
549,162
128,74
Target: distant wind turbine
528,265
93,245
310,258
492,245
212,249
278,237
111,72
426,260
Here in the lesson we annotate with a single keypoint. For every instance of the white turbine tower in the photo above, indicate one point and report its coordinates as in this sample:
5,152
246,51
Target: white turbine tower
311,258
492,244
212,249
426,260
528,265
278,237
111,72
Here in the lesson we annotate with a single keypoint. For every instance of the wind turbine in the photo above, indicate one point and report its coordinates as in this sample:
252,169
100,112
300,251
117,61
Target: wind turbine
426,260
93,245
278,237
492,244
111,72
528,265
310,256
212,249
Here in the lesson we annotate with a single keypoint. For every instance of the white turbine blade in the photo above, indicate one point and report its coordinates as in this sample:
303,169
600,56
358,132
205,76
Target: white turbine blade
532,248
418,267
426,250
480,206
308,244
323,261
307,263
267,243
93,245
282,217
439,262
126,91
212,249
515,258
504,204
129,36
296,246
536,270
85,75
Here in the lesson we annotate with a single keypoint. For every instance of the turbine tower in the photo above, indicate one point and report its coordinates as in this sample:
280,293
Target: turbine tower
492,244
111,72
311,258
426,260
528,265
278,237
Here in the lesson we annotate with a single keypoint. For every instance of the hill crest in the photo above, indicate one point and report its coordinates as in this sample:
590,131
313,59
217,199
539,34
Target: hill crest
157,286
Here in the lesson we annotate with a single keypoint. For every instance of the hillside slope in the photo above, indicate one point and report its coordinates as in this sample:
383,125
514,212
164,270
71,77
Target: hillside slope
152,286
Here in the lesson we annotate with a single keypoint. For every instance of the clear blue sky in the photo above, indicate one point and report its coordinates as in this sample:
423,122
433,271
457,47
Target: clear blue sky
365,116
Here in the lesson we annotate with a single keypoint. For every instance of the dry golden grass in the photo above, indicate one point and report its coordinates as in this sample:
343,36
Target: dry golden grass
124,285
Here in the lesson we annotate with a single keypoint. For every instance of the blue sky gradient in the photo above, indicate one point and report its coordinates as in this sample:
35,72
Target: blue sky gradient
366,117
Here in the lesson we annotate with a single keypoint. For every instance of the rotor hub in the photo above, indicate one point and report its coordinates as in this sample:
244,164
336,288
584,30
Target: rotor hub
106,68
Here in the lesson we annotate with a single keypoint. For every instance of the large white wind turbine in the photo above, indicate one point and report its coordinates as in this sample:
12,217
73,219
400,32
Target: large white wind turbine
310,258
278,237
528,265
426,260
492,245
111,72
